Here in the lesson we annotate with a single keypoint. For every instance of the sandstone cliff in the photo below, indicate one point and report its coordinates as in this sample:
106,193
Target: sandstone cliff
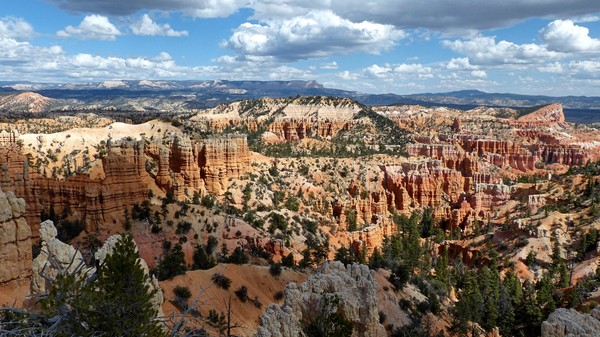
15,241
200,165
355,287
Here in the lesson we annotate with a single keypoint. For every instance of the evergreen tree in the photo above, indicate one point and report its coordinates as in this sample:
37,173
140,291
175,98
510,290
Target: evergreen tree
442,273
469,307
69,299
545,297
491,291
506,312
532,310
122,298
344,255
202,260
376,260
172,264
412,243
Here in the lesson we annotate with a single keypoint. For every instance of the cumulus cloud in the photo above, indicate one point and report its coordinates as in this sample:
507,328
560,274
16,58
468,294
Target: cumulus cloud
15,28
93,27
566,36
316,34
575,69
146,26
24,61
195,8
460,63
479,73
484,50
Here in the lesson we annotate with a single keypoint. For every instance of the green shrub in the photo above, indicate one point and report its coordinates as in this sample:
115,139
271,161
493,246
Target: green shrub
221,281
182,292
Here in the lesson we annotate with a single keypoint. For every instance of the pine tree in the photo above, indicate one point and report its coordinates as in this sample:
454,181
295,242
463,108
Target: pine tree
202,260
491,291
412,243
442,273
545,297
469,307
506,311
532,311
116,302
122,298
172,264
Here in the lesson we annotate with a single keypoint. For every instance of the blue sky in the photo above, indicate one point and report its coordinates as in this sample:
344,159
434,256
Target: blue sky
549,47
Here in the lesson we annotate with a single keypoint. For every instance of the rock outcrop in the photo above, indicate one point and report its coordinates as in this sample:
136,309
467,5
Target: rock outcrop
569,323
53,253
355,288
15,241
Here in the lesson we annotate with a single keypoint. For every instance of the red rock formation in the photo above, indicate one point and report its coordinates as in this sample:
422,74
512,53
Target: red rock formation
222,158
96,201
92,200
370,237
548,115
536,136
421,184
452,157
565,155
183,163
201,165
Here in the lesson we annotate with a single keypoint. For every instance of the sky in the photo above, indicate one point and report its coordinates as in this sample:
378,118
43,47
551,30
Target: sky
542,47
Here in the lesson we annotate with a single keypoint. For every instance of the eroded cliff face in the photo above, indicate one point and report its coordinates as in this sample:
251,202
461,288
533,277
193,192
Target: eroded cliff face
201,165
354,286
96,201
184,166
15,241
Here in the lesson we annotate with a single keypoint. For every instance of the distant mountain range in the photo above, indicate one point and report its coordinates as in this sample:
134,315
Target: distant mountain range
203,94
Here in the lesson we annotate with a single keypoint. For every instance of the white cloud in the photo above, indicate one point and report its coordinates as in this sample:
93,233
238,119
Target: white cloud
398,71
479,73
376,71
347,76
16,28
330,66
146,26
565,36
93,27
460,63
484,50
412,69
316,34
584,69
555,67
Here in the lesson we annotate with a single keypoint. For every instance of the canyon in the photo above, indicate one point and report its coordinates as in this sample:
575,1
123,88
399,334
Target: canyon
299,180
